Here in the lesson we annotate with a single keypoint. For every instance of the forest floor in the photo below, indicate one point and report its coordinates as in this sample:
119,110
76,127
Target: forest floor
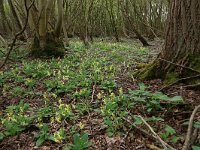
90,100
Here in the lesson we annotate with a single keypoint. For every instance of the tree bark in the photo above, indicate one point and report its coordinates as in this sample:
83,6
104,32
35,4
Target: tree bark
125,13
5,22
182,45
42,23
17,17
46,42
60,19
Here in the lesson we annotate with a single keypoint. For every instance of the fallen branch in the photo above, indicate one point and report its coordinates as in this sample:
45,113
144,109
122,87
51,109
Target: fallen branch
139,129
192,85
190,127
164,144
188,68
19,33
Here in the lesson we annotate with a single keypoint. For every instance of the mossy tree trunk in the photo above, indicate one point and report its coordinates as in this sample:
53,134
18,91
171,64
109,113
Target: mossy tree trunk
47,41
182,45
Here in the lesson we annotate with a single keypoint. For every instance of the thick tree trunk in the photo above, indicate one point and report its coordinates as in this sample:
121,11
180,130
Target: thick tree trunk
181,53
46,42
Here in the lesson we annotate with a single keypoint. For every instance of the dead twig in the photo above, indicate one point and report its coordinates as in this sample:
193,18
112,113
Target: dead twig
190,127
192,85
163,143
144,132
19,33
93,92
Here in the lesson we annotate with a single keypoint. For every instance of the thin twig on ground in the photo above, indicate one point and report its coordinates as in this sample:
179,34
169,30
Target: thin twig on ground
192,85
139,129
190,128
164,144
93,92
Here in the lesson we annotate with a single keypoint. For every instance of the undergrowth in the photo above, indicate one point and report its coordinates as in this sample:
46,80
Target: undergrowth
55,95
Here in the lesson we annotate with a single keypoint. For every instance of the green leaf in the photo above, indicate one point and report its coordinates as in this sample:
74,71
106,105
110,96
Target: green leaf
175,139
85,137
176,99
142,86
170,130
1,136
155,119
52,138
195,147
40,141
68,147
164,136
138,120
197,124
76,138
110,134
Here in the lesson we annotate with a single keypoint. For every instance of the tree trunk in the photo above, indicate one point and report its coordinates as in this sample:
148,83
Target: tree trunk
125,13
42,23
181,54
17,18
46,43
5,22
59,23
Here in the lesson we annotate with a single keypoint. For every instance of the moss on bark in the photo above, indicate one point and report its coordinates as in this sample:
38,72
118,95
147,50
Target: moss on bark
170,78
194,61
148,72
54,47
173,73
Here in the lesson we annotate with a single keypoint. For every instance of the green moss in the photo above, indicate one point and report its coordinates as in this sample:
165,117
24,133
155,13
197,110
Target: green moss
194,61
170,78
141,65
148,72
54,48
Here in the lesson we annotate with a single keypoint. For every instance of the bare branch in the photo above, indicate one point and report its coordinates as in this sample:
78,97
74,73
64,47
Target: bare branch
19,33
